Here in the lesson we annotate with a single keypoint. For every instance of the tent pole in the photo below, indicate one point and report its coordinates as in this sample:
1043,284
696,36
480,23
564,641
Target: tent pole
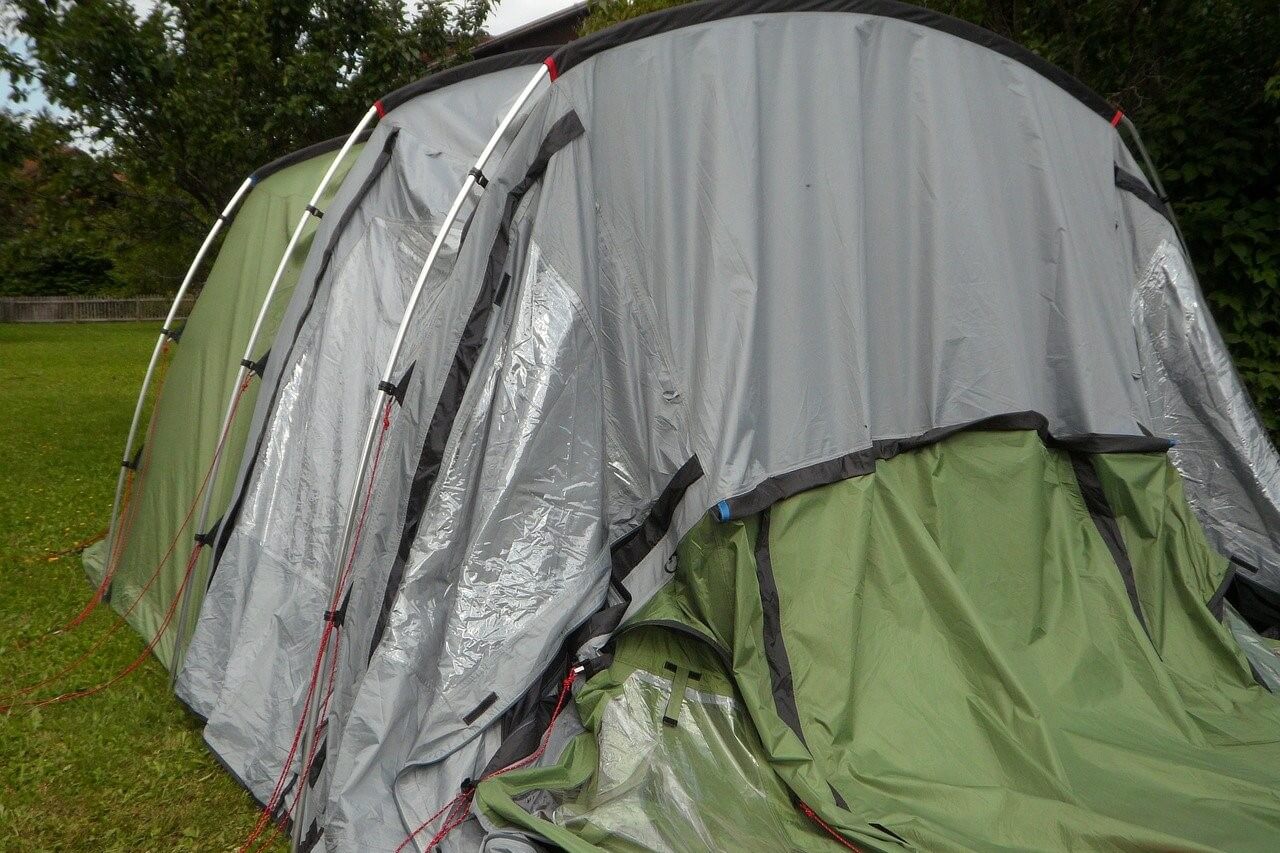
381,396
1154,177
166,332
245,372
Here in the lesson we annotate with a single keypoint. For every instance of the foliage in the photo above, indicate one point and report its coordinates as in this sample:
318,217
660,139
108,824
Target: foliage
1201,79
51,193
125,770
186,100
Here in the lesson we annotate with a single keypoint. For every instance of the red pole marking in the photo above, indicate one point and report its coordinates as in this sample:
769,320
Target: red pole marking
462,802
550,62
382,111
264,819
101,641
813,816
1117,118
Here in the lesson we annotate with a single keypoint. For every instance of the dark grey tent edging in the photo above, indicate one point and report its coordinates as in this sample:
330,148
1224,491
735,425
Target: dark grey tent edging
466,71
687,15
227,523
862,462
565,130
303,154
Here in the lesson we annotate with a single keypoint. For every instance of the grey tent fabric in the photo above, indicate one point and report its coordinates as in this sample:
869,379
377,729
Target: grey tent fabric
1231,470
806,235
748,262
248,663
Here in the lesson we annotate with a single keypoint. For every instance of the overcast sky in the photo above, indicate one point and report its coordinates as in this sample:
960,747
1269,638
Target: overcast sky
508,14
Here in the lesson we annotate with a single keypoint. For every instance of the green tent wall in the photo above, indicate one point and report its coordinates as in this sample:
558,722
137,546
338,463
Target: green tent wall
180,442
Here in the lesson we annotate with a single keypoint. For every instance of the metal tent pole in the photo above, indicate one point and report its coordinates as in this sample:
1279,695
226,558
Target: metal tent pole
1154,176
166,333
247,368
383,392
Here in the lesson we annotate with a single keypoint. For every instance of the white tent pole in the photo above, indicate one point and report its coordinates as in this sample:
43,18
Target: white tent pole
381,394
166,332
184,613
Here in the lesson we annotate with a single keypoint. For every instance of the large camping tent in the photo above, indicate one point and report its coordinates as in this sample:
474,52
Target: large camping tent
155,532
820,390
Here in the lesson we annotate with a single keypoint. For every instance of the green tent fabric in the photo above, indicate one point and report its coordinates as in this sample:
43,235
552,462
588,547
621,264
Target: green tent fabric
946,654
180,442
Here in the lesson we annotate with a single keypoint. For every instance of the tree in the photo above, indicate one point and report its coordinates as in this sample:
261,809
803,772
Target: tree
185,101
198,93
52,194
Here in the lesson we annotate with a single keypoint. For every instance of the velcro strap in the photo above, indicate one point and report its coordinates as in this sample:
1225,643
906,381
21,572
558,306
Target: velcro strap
315,211
480,177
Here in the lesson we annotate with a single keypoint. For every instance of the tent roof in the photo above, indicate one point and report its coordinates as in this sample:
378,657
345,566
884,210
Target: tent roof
690,14
302,155
449,76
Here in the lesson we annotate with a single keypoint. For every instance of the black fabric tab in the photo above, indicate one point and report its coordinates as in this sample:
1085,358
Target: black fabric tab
863,462
174,335
687,15
1219,595
280,813
485,704
314,833
775,647
339,617
887,831
315,211
317,764
1138,188
132,464
566,129
628,551
397,390
376,170
502,289
259,367
1104,518
207,538
839,800
479,176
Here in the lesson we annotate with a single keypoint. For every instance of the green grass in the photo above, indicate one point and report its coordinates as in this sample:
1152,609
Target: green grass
125,769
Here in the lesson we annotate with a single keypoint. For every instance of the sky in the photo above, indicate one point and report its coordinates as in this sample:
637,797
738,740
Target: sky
508,15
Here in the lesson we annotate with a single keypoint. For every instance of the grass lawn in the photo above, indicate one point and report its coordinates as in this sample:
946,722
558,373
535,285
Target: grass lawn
125,769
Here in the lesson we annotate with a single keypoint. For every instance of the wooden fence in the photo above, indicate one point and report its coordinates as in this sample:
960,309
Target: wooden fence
89,309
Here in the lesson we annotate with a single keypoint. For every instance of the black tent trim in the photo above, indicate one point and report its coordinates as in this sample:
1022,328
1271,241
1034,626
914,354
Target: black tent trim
775,650
1104,519
529,56
678,17
566,129
233,512
1138,188
303,154
863,462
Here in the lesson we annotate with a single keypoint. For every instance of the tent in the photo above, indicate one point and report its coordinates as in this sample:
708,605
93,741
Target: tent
811,436
169,467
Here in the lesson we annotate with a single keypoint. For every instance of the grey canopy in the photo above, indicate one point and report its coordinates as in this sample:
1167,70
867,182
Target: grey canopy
733,251
246,668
